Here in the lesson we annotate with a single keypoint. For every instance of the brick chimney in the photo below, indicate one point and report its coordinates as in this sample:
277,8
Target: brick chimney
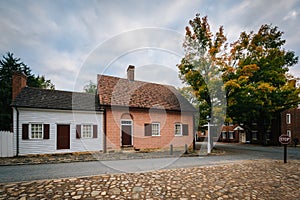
19,81
130,73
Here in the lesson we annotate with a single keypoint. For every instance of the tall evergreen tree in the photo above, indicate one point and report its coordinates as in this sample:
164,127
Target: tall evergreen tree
8,65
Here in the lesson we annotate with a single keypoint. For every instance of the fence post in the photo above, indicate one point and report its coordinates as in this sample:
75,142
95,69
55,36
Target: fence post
171,149
185,149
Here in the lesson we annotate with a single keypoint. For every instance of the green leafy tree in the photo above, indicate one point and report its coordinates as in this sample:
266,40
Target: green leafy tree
201,66
90,88
8,65
257,80
189,94
254,73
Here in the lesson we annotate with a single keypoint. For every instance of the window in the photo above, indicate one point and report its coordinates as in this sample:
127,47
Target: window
224,135
231,135
155,129
178,129
87,131
126,122
36,131
289,133
288,118
254,135
152,129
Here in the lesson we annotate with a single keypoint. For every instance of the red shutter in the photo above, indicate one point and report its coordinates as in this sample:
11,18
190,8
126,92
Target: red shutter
95,131
148,130
46,131
78,131
185,129
25,133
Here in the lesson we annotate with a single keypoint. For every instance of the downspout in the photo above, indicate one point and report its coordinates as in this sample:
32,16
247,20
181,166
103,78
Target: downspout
17,152
194,134
104,130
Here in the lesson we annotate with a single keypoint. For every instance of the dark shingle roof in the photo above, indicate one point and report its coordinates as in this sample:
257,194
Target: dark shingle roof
115,91
56,99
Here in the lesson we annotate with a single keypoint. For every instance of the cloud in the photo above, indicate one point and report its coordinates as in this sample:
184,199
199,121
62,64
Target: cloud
61,39
291,15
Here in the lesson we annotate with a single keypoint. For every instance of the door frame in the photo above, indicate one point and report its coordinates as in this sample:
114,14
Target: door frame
57,136
131,124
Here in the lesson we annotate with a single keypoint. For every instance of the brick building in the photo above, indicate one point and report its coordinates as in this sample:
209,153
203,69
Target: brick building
232,133
144,115
123,113
290,123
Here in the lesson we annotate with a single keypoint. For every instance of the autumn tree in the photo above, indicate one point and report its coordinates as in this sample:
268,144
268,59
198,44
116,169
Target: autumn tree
8,65
254,72
201,66
256,78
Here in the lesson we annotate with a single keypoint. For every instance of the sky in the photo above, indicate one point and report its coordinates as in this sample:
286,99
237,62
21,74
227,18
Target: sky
70,42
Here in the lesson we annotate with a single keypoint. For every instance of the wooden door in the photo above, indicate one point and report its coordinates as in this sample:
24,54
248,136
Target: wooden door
63,136
126,135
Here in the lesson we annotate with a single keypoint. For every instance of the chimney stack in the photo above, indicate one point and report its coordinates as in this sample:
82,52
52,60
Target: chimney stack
19,81
130,73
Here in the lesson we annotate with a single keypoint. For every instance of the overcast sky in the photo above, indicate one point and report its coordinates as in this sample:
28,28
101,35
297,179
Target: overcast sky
71,41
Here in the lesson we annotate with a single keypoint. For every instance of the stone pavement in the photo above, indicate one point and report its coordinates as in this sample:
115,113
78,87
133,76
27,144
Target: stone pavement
95,156
86,156
244,180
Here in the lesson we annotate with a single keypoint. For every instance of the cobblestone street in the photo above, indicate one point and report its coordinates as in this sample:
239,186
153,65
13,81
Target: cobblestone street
244,180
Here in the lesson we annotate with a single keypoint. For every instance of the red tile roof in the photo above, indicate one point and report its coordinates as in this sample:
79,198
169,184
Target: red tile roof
231,128
114,91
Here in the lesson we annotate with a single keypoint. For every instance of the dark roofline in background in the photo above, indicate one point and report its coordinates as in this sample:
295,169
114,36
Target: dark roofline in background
45,108
30,97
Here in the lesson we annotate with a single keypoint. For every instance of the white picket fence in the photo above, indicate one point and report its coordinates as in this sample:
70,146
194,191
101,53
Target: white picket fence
6,144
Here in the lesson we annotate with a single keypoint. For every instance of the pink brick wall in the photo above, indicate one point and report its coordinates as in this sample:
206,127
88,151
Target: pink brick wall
167,122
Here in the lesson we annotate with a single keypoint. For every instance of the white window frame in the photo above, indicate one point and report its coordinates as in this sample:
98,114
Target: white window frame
126,122
154,124
224,135
231,135
288,118
83,134
180,129
254,133
289,133
30,131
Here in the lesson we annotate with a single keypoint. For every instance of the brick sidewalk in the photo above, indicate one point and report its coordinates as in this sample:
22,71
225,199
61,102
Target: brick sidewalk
245,180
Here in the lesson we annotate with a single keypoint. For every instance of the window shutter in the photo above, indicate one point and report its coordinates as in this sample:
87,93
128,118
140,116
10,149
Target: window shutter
148,130
95,131
25,133
78,131
185,129
46,131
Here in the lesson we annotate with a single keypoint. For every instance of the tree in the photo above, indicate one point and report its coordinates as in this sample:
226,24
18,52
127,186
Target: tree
254,72
257,80
8,65
90,88
201,66
189,95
